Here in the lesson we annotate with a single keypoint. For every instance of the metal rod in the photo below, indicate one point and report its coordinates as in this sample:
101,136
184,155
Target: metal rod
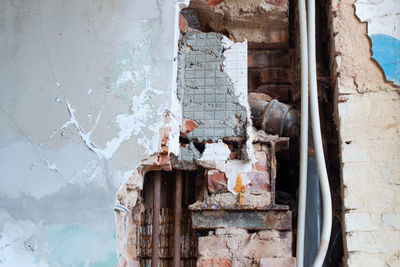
156,218
186,194
177,219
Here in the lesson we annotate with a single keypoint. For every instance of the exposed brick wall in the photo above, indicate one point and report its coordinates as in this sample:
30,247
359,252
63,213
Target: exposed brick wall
237,247
368,118
269,72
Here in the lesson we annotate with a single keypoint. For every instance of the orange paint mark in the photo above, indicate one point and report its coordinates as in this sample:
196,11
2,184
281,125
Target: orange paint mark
239,187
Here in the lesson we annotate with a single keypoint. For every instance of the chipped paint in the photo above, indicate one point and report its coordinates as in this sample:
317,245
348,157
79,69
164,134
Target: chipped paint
383,18
239,187
75,126
215,152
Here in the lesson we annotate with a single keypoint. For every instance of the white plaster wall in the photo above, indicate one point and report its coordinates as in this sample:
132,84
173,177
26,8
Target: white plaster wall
84,85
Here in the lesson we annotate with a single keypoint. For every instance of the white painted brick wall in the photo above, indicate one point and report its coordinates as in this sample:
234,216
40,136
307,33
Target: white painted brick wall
368,119
361,221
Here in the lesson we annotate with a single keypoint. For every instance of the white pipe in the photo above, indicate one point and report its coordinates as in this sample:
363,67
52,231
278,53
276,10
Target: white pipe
301,219
319,151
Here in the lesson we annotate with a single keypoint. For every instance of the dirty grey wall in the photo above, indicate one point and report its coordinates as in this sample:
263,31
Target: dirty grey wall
83,88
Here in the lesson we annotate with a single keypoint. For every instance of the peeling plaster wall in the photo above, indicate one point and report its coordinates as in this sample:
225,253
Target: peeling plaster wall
383,18
208,94
368,120
84,88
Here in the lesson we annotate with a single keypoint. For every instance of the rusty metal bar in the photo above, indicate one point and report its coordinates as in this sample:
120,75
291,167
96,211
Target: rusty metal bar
246,219
272,172
186,194
177,219
156,218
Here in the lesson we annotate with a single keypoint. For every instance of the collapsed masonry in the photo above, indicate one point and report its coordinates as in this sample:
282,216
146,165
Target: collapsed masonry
223,177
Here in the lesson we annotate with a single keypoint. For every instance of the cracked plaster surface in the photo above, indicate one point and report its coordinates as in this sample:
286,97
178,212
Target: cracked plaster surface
81,104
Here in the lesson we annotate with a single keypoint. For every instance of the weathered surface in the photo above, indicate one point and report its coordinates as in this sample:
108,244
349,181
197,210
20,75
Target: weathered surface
214,263
368,119
278,262
383,18
250,219
85,86
243,248
216,181
247,19
207,93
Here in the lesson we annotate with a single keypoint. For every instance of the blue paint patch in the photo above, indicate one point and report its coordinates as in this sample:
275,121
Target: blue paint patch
80,246
386,51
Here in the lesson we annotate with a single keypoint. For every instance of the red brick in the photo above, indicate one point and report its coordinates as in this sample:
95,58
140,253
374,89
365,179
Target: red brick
233,155
282,3
269,45
183,24
269,60
164,161
214,3
164,133
151,163
259,182
214,263
211,246
158,162
261,161
269,243
253,80
188,126
216,181
278,262
276,39
274,76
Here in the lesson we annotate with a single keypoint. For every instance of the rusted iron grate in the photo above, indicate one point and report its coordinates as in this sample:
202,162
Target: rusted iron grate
170,234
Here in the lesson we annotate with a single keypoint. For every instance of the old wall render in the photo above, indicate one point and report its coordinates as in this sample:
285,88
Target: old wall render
368,118
85,88
212,87
206,91
383,18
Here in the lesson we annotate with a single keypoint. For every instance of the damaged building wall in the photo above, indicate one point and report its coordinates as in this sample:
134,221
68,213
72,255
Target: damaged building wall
234,213
384,31
205,88
246,20
85,86
368,119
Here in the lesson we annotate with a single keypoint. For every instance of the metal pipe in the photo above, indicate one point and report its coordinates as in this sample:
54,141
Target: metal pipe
156,218
274,117
177,219
301,219
319,150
